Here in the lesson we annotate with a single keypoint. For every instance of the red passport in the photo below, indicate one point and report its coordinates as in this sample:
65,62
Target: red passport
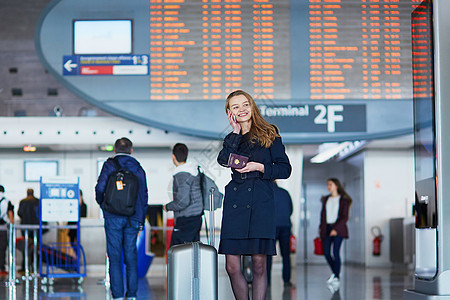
237,161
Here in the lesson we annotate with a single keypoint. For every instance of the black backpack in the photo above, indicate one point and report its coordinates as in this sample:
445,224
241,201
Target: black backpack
121,191
206,183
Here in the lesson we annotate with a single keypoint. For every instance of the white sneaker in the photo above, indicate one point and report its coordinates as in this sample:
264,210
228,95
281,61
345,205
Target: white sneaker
330,279
335,282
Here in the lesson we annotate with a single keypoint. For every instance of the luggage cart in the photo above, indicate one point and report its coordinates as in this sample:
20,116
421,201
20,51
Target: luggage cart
60,202
60,263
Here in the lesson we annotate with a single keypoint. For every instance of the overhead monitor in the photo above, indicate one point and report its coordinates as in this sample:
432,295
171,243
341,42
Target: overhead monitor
102,37
34,169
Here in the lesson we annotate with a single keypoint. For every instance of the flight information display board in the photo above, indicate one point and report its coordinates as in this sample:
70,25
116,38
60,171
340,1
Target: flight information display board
203,50
422,50
317,64
352,49
360,49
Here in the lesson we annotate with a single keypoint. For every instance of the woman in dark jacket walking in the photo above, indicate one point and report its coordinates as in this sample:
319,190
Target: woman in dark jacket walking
248,223
333,225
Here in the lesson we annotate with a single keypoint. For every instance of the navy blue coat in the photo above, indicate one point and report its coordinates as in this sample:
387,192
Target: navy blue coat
283,206
249,206
131,164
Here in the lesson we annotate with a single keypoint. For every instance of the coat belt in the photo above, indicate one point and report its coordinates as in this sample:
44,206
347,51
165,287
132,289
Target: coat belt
248,175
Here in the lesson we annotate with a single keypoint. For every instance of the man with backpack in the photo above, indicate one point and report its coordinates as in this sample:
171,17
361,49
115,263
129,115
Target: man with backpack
121,192
187,203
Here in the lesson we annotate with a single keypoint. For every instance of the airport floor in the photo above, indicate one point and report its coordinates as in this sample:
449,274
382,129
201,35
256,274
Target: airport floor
309,283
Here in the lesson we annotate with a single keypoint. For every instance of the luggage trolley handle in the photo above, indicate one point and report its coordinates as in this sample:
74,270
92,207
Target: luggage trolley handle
212,225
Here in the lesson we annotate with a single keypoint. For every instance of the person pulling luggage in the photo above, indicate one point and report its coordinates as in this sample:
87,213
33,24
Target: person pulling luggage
187,203
248,222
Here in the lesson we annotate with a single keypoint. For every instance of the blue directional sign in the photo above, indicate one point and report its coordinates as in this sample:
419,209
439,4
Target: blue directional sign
70,65
105,65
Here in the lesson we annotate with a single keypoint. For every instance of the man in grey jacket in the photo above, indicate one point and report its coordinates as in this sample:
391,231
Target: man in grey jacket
187,203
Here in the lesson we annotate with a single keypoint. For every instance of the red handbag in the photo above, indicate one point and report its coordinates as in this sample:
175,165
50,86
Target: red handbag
318,248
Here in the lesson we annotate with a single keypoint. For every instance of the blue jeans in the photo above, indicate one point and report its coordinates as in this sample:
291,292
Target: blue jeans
283,236
335,261
121,236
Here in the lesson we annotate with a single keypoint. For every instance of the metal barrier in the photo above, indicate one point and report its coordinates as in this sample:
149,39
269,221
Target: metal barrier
12,256
106,281
12,228
12,280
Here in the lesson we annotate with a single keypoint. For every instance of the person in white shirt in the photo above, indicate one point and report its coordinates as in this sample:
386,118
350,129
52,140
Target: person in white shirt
333,226
6,216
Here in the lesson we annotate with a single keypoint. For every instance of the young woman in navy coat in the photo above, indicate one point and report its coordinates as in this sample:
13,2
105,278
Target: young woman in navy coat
248,223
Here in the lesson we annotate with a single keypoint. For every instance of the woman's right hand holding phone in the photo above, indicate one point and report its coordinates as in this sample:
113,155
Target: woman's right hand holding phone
235,125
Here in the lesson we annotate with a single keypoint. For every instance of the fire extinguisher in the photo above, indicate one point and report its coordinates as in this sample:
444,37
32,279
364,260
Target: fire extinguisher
292,244
377,239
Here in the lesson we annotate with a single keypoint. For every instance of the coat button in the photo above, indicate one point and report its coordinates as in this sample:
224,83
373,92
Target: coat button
249,189
248,206
234,206
235,189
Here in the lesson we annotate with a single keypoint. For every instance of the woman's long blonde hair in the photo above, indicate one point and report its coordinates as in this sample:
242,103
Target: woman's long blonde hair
260,130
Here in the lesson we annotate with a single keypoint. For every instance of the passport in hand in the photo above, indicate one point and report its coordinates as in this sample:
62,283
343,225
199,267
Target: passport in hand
237,161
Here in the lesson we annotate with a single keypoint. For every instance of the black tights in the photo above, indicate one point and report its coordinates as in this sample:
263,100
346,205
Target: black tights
238,282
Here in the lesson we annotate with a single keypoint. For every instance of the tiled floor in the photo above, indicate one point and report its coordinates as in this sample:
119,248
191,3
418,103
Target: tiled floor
309,283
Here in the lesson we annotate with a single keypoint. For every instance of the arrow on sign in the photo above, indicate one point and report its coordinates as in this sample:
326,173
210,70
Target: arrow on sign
69,65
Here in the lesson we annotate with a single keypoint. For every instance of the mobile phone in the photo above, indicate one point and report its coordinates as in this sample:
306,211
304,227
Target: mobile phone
232,116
